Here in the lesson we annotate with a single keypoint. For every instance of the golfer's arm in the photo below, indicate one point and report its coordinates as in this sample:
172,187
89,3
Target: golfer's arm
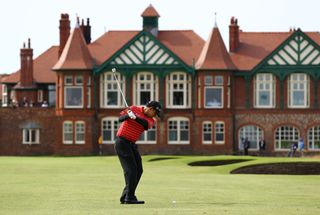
142,122
123,118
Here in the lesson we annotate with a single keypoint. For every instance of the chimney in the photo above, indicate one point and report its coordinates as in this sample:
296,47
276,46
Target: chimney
64,29
86,30
26,70
233,35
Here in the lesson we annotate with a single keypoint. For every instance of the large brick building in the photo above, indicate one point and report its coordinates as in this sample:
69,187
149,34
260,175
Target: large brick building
265,86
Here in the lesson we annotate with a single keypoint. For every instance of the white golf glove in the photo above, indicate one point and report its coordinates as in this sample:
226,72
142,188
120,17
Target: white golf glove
131,114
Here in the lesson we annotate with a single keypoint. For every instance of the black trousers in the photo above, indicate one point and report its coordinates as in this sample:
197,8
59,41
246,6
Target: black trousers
131,163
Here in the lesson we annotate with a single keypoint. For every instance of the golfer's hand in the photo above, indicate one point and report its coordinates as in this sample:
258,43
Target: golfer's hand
131,114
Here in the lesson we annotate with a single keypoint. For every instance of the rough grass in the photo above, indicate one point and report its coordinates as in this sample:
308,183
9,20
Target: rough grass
92,185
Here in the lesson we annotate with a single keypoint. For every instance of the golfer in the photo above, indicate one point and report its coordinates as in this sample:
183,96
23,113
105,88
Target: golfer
135,120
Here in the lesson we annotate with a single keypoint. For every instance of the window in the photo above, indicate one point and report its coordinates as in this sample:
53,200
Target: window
213,97
110,127
67,132
178,90
314,138
178,131
253,133
73,97
219,133
68,80
218,80
208,80
73,93
52,95
110,95
80,132
79,80
148,137
285,136
298,90
145,88
89,92
31,136
207,132
4,95
264,90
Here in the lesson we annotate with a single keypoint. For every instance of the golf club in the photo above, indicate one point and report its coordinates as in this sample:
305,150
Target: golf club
114,75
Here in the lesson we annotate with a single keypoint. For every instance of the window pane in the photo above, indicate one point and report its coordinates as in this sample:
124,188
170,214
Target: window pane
151,135
264,98
178,98
213,97
112,98
173,136
74,96
184,135
144,97
298,98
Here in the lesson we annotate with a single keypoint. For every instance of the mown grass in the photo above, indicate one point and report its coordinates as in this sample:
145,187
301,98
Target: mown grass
92,185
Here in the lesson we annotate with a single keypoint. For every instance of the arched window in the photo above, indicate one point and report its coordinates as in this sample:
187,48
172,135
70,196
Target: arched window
178,128
145,88
178,90
314,138
298,89
253,133
264,90
285,136
207,132
109,127
110,96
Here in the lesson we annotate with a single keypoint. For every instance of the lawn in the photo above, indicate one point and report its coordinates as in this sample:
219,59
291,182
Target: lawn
92,185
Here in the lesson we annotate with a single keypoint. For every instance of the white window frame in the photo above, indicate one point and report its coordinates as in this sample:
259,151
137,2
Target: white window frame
216,131
186,82
104,82
305,90
68,80
26,131
4,95
285,135
178,120
65,97
113,122
266,80
207,129
64,132
80,131
218,80
250,131
153,82
205,97
145,136
313,136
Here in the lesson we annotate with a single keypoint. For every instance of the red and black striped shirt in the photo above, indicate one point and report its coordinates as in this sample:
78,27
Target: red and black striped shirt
131,129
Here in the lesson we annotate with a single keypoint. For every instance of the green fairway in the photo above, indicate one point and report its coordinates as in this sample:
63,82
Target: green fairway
92,185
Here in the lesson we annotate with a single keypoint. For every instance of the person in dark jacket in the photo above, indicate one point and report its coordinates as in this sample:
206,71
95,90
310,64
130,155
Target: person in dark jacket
135,120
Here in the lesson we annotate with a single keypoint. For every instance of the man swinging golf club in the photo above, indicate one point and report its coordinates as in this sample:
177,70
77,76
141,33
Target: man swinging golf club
135,120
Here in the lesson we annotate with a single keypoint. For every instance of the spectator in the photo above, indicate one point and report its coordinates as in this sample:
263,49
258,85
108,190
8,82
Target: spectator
44,104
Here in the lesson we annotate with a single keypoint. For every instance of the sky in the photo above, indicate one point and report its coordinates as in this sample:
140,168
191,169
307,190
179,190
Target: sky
39,20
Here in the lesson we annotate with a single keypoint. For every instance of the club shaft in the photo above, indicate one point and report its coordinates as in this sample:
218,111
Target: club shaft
118,83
